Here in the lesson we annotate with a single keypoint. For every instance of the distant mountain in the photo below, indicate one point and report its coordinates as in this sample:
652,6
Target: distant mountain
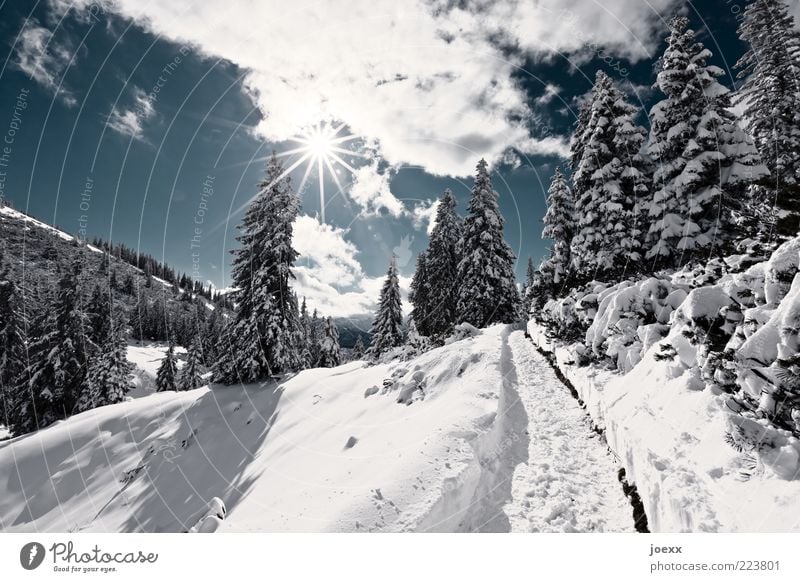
350,328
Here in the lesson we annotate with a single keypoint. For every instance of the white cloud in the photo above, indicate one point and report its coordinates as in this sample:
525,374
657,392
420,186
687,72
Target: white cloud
424,213
371,191
551,91
429,86
629,29
129,121
328,273
44,59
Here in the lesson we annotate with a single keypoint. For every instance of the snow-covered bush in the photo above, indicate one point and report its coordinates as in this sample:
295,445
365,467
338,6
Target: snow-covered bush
727,326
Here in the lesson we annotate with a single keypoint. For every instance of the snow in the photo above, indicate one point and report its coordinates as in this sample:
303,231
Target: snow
10,212
670,438
568,482
147,358
456,439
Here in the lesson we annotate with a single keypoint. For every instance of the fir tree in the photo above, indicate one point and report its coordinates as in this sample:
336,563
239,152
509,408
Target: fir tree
771,96
306,358
387,327
558,227
419,294
608,181
704,160
99,313
441,266
191,375
167,372
315,331
12,346
487,287
58,359
330,353
529,286
265,328
358,349
109,375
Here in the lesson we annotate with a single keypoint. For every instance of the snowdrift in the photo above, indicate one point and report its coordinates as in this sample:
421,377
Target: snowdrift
351,448
683,371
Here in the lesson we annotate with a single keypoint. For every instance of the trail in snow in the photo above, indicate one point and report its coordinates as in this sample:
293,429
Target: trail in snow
568,483
474,500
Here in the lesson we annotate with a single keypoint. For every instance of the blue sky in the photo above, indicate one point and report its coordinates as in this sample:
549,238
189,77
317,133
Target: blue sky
148,122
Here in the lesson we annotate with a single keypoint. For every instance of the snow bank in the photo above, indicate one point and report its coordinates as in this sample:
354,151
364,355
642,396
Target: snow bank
686,373
351,448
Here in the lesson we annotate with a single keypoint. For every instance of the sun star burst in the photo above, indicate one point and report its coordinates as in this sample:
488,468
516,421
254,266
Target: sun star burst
320,148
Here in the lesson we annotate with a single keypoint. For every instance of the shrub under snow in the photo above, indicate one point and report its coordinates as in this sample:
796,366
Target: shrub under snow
733,332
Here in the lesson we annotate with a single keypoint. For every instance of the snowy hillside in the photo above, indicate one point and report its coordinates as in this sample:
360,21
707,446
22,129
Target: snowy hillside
441,443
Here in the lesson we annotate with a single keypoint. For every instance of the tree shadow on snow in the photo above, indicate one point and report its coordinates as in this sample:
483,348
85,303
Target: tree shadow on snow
210,455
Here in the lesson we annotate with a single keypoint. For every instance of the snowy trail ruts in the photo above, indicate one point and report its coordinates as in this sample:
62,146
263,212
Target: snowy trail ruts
569,482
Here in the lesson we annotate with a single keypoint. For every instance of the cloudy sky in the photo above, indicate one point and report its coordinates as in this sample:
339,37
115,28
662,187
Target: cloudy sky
161,114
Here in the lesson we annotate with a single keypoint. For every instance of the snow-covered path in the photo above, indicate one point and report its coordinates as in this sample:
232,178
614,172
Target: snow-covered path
569,482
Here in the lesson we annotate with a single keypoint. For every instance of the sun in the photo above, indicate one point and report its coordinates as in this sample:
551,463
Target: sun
320,148
320,144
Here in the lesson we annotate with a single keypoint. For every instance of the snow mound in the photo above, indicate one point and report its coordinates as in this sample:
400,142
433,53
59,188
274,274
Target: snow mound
275,456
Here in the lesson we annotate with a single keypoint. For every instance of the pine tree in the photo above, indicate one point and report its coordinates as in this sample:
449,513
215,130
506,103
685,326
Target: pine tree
191,375
109,374
387,327
608,181
704,161
358,349
558,227
58,359
167,372
441,266
419,294
99,313
306,359
771,96
330,353
487,287
265,328
315,331
12,346
530,282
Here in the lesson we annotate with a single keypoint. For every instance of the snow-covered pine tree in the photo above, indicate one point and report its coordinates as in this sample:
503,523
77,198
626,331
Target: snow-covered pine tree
558,227
12,345
609,178
487,287
358,349
109,374
330,354
419,293
441,265
704,161
387,327
306,359
167,373
528,287
265,326
99,313
58,359
770,95
316,333
416,343
191,375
